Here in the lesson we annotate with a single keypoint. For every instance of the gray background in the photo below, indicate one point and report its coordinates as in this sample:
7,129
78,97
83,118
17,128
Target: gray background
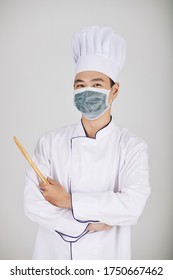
36,84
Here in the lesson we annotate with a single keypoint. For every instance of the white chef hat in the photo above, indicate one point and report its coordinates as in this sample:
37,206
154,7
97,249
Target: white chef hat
99,49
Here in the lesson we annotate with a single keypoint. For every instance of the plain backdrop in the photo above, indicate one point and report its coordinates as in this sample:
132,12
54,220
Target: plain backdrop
36,85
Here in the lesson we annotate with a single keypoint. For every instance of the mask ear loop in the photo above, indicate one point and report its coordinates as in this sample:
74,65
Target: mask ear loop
107,97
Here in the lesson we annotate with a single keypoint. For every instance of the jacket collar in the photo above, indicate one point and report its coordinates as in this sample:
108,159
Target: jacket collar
101,133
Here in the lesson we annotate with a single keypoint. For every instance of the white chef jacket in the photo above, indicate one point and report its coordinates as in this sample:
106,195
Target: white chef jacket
108,181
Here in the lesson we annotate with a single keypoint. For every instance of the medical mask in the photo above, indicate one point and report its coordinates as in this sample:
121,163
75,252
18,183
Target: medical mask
91,102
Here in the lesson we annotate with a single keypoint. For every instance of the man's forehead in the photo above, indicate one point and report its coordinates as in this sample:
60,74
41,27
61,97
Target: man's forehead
90,76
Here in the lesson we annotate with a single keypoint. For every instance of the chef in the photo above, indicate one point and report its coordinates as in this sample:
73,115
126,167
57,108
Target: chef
97,171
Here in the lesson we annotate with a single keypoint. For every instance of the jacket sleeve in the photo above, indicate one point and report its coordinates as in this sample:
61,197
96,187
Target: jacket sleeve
125,206
41,211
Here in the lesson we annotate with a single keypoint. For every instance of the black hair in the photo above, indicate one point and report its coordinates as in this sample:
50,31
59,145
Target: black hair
112,82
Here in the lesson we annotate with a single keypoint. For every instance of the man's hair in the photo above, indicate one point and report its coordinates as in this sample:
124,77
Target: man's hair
111,82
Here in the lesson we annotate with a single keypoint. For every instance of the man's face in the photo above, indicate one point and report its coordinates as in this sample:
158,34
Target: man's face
92,79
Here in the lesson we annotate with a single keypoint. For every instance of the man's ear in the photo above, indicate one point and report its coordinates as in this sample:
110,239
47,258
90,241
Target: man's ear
114,90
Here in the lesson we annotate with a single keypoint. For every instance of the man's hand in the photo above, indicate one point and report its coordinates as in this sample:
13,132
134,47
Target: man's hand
56,194
98,227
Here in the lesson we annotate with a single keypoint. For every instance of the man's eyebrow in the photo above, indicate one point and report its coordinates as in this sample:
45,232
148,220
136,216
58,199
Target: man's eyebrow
97,80
78,81
93,80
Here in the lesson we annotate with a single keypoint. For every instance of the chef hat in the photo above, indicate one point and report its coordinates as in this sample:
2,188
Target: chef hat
99,49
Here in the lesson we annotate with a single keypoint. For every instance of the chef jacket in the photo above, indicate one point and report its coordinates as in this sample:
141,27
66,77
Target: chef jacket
107,177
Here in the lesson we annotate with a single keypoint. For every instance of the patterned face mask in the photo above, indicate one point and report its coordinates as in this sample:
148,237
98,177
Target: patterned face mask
91,102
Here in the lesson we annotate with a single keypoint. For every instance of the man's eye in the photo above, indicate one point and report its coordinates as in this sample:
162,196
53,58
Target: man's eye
97,85
79,86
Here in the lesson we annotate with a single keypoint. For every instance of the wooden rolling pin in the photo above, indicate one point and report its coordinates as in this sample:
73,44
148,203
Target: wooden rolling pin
36,169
